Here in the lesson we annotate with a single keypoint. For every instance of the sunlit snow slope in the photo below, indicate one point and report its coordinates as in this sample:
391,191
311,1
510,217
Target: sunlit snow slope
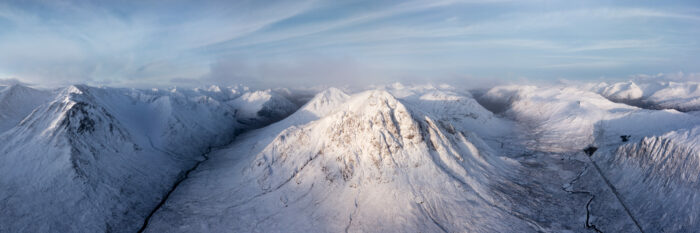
99,159
621,157
366,163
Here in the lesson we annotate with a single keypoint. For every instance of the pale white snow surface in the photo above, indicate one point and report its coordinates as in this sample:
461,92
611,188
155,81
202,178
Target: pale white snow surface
100,159
395,158
370,164
423,159
658,178
17,101
562,118
654,94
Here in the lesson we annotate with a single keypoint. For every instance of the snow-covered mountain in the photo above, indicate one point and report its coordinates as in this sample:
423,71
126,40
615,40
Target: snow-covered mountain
623,91
363,154
563,118
102,158
648,157
219,93
658,178
373,161
17,101
603,157
653,94
262,107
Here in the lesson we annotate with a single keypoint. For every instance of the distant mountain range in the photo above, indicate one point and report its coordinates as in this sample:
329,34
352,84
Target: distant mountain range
418,158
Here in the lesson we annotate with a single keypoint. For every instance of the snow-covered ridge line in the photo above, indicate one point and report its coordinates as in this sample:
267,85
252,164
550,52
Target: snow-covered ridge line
17,101
103,156
653,94
658,176
372,151
396,158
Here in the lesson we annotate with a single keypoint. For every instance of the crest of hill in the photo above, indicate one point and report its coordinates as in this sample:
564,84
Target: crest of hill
360,154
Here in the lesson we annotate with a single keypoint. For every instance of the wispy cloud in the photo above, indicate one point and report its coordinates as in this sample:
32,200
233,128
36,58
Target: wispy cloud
616,44
588,65
143,43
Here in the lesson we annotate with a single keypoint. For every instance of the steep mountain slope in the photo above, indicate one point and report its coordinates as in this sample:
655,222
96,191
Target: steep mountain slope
99,159
394,159
17,101
460,110
372,163
657,177
651,171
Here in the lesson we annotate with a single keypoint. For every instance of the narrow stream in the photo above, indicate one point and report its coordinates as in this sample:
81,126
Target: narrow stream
186,175
588,224
174,187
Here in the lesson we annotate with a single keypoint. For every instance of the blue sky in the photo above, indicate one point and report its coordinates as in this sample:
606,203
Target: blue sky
183,43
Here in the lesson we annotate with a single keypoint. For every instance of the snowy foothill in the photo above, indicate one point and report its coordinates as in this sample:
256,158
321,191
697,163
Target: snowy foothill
619,157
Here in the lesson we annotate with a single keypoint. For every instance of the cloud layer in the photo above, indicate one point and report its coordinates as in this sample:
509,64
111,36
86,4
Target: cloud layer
159,43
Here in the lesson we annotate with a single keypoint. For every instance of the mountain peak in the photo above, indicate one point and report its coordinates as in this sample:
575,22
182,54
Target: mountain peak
324,101
623,91
77,88
371,132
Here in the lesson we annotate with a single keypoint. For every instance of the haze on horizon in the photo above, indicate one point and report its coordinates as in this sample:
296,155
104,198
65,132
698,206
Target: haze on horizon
180,43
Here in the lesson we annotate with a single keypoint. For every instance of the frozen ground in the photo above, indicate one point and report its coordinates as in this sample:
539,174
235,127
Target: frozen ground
389,159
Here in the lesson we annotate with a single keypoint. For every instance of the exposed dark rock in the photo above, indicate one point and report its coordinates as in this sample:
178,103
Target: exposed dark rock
625,138
590,150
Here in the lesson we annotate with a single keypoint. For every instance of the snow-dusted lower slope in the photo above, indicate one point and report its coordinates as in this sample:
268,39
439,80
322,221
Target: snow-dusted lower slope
658,177
17,101
262,107
99,159
371,163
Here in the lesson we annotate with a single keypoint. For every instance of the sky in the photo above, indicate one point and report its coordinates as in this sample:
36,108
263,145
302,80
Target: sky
308,42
